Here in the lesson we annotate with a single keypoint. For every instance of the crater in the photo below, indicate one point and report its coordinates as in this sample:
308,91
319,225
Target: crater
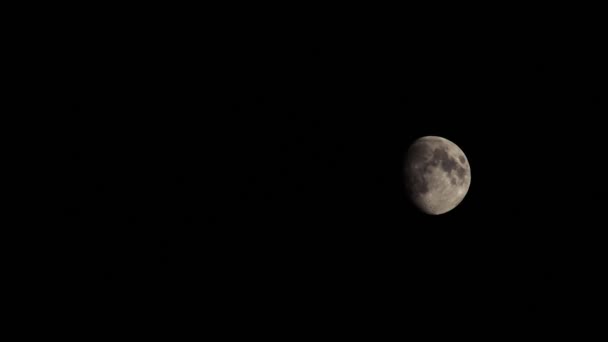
462,159
447,163
461,172
453,180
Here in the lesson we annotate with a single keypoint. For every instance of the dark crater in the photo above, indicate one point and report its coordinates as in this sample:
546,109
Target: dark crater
449,164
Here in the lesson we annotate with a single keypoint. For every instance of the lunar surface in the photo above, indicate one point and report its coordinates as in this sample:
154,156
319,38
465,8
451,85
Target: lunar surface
437,174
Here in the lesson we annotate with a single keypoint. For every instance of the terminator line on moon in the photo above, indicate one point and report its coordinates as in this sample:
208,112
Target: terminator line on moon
437,174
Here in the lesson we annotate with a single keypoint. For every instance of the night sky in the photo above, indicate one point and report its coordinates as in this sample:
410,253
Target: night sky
264,174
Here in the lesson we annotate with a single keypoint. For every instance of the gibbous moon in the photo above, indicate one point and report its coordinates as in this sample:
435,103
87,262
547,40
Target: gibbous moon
437,174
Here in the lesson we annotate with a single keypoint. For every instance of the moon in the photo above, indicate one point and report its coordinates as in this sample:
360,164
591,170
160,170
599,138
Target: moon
437,175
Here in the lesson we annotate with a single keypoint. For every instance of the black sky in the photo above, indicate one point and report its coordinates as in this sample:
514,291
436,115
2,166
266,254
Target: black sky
267,168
